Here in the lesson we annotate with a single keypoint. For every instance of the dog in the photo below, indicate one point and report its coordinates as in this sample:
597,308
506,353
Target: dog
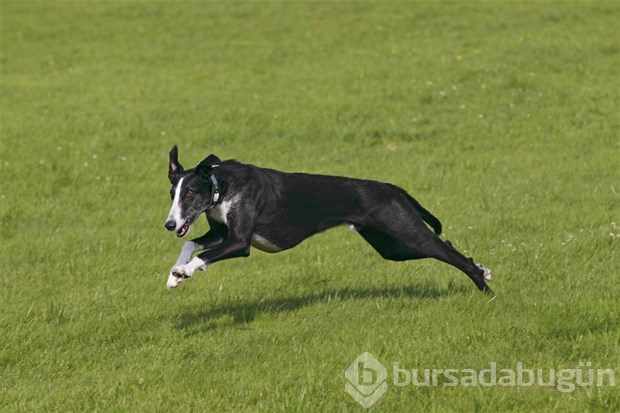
273,211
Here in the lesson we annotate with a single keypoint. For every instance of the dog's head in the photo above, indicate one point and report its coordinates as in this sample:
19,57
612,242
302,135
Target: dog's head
191,193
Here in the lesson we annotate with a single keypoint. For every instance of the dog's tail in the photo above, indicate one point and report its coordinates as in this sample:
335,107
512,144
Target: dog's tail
429,218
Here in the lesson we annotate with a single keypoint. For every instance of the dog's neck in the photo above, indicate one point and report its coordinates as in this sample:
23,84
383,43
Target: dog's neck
215,193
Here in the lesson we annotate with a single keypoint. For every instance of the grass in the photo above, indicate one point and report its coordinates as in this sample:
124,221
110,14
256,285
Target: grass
501,118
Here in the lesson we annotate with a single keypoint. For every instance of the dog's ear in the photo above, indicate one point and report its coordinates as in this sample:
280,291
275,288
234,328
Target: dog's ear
174,168
204,167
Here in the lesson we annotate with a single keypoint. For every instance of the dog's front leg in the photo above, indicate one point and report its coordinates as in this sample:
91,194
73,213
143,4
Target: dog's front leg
237,244
231,248
186,254
208,240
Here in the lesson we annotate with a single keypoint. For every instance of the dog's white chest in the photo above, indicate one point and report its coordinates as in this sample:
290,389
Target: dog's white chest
220,212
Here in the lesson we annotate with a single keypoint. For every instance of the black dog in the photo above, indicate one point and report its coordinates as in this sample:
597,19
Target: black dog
274,211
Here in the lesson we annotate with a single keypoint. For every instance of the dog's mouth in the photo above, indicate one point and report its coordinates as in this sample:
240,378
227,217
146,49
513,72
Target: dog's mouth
185,227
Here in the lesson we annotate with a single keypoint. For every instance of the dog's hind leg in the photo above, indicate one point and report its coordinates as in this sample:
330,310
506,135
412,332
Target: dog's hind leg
388,246
398,233
394,249
487,273
447,253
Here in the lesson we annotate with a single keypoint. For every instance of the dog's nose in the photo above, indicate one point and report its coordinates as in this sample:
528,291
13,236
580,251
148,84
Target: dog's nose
170,225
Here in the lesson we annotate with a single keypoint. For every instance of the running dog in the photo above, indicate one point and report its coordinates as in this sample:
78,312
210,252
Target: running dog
273,211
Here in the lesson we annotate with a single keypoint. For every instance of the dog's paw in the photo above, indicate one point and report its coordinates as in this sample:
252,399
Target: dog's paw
173,281
182,271
486,273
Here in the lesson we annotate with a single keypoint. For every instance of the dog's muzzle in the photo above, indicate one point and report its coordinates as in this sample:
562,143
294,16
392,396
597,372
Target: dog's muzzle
170,225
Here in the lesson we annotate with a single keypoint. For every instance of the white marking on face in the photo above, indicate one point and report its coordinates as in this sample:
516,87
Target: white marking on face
262,244
175,213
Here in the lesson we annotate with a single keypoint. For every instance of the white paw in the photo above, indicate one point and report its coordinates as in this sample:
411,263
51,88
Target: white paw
182,271
487,273
173,281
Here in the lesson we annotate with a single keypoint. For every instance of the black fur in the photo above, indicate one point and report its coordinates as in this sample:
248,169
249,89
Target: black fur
286,208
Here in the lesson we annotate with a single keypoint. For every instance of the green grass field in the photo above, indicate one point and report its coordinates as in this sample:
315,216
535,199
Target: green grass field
500,118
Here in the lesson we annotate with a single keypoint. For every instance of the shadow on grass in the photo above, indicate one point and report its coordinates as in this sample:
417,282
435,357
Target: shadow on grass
239,313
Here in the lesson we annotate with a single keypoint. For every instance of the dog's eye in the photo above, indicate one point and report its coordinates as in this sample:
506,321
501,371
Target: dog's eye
189,194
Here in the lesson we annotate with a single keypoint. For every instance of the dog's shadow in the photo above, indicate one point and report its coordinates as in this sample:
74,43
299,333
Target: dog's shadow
239,313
